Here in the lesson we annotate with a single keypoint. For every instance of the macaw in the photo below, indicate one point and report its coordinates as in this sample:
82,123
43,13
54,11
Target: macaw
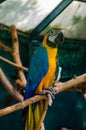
42,73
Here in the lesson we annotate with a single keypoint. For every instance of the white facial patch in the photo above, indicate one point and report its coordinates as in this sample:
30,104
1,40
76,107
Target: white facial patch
52,38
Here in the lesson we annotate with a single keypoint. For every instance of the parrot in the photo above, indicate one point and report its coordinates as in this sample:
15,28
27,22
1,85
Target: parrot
42,73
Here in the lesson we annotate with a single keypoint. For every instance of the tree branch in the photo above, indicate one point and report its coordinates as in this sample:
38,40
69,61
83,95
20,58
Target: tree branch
64,86
73,83
13,64
5,48
9,87
15,54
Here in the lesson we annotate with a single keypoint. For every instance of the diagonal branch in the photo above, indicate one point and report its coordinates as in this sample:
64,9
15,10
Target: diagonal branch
64,86
5,48
13,64
9,87
72,84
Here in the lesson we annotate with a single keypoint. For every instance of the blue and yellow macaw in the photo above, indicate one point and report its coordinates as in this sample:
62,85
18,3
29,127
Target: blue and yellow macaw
42,72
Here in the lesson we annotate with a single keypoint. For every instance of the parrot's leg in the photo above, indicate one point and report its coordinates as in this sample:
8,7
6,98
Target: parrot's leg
50,94
50,91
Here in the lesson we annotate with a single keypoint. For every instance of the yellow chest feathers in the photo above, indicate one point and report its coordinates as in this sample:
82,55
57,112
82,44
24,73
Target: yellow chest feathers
49,78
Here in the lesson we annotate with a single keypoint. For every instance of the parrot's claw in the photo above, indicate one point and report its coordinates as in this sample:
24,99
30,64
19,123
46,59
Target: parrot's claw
50,91
50,94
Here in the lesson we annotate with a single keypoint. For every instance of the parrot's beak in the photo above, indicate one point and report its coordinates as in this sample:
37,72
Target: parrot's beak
57,41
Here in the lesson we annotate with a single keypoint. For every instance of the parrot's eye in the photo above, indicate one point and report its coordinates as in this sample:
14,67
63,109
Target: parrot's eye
53,32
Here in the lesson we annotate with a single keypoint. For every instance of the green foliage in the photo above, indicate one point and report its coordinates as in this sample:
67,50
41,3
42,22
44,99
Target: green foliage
84,19
76,19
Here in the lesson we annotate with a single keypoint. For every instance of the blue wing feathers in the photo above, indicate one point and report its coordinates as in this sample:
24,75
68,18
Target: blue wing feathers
37,70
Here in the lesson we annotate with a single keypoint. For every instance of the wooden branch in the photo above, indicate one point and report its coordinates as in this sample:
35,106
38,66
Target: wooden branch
5,48
15,53
73,83
21,105
65,86
18,81
13,64
8,86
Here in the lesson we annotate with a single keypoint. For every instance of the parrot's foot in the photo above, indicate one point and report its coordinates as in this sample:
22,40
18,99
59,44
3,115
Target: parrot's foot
50,94
50,91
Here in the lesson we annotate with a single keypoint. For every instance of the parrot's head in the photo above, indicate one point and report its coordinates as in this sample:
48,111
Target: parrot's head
55,38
